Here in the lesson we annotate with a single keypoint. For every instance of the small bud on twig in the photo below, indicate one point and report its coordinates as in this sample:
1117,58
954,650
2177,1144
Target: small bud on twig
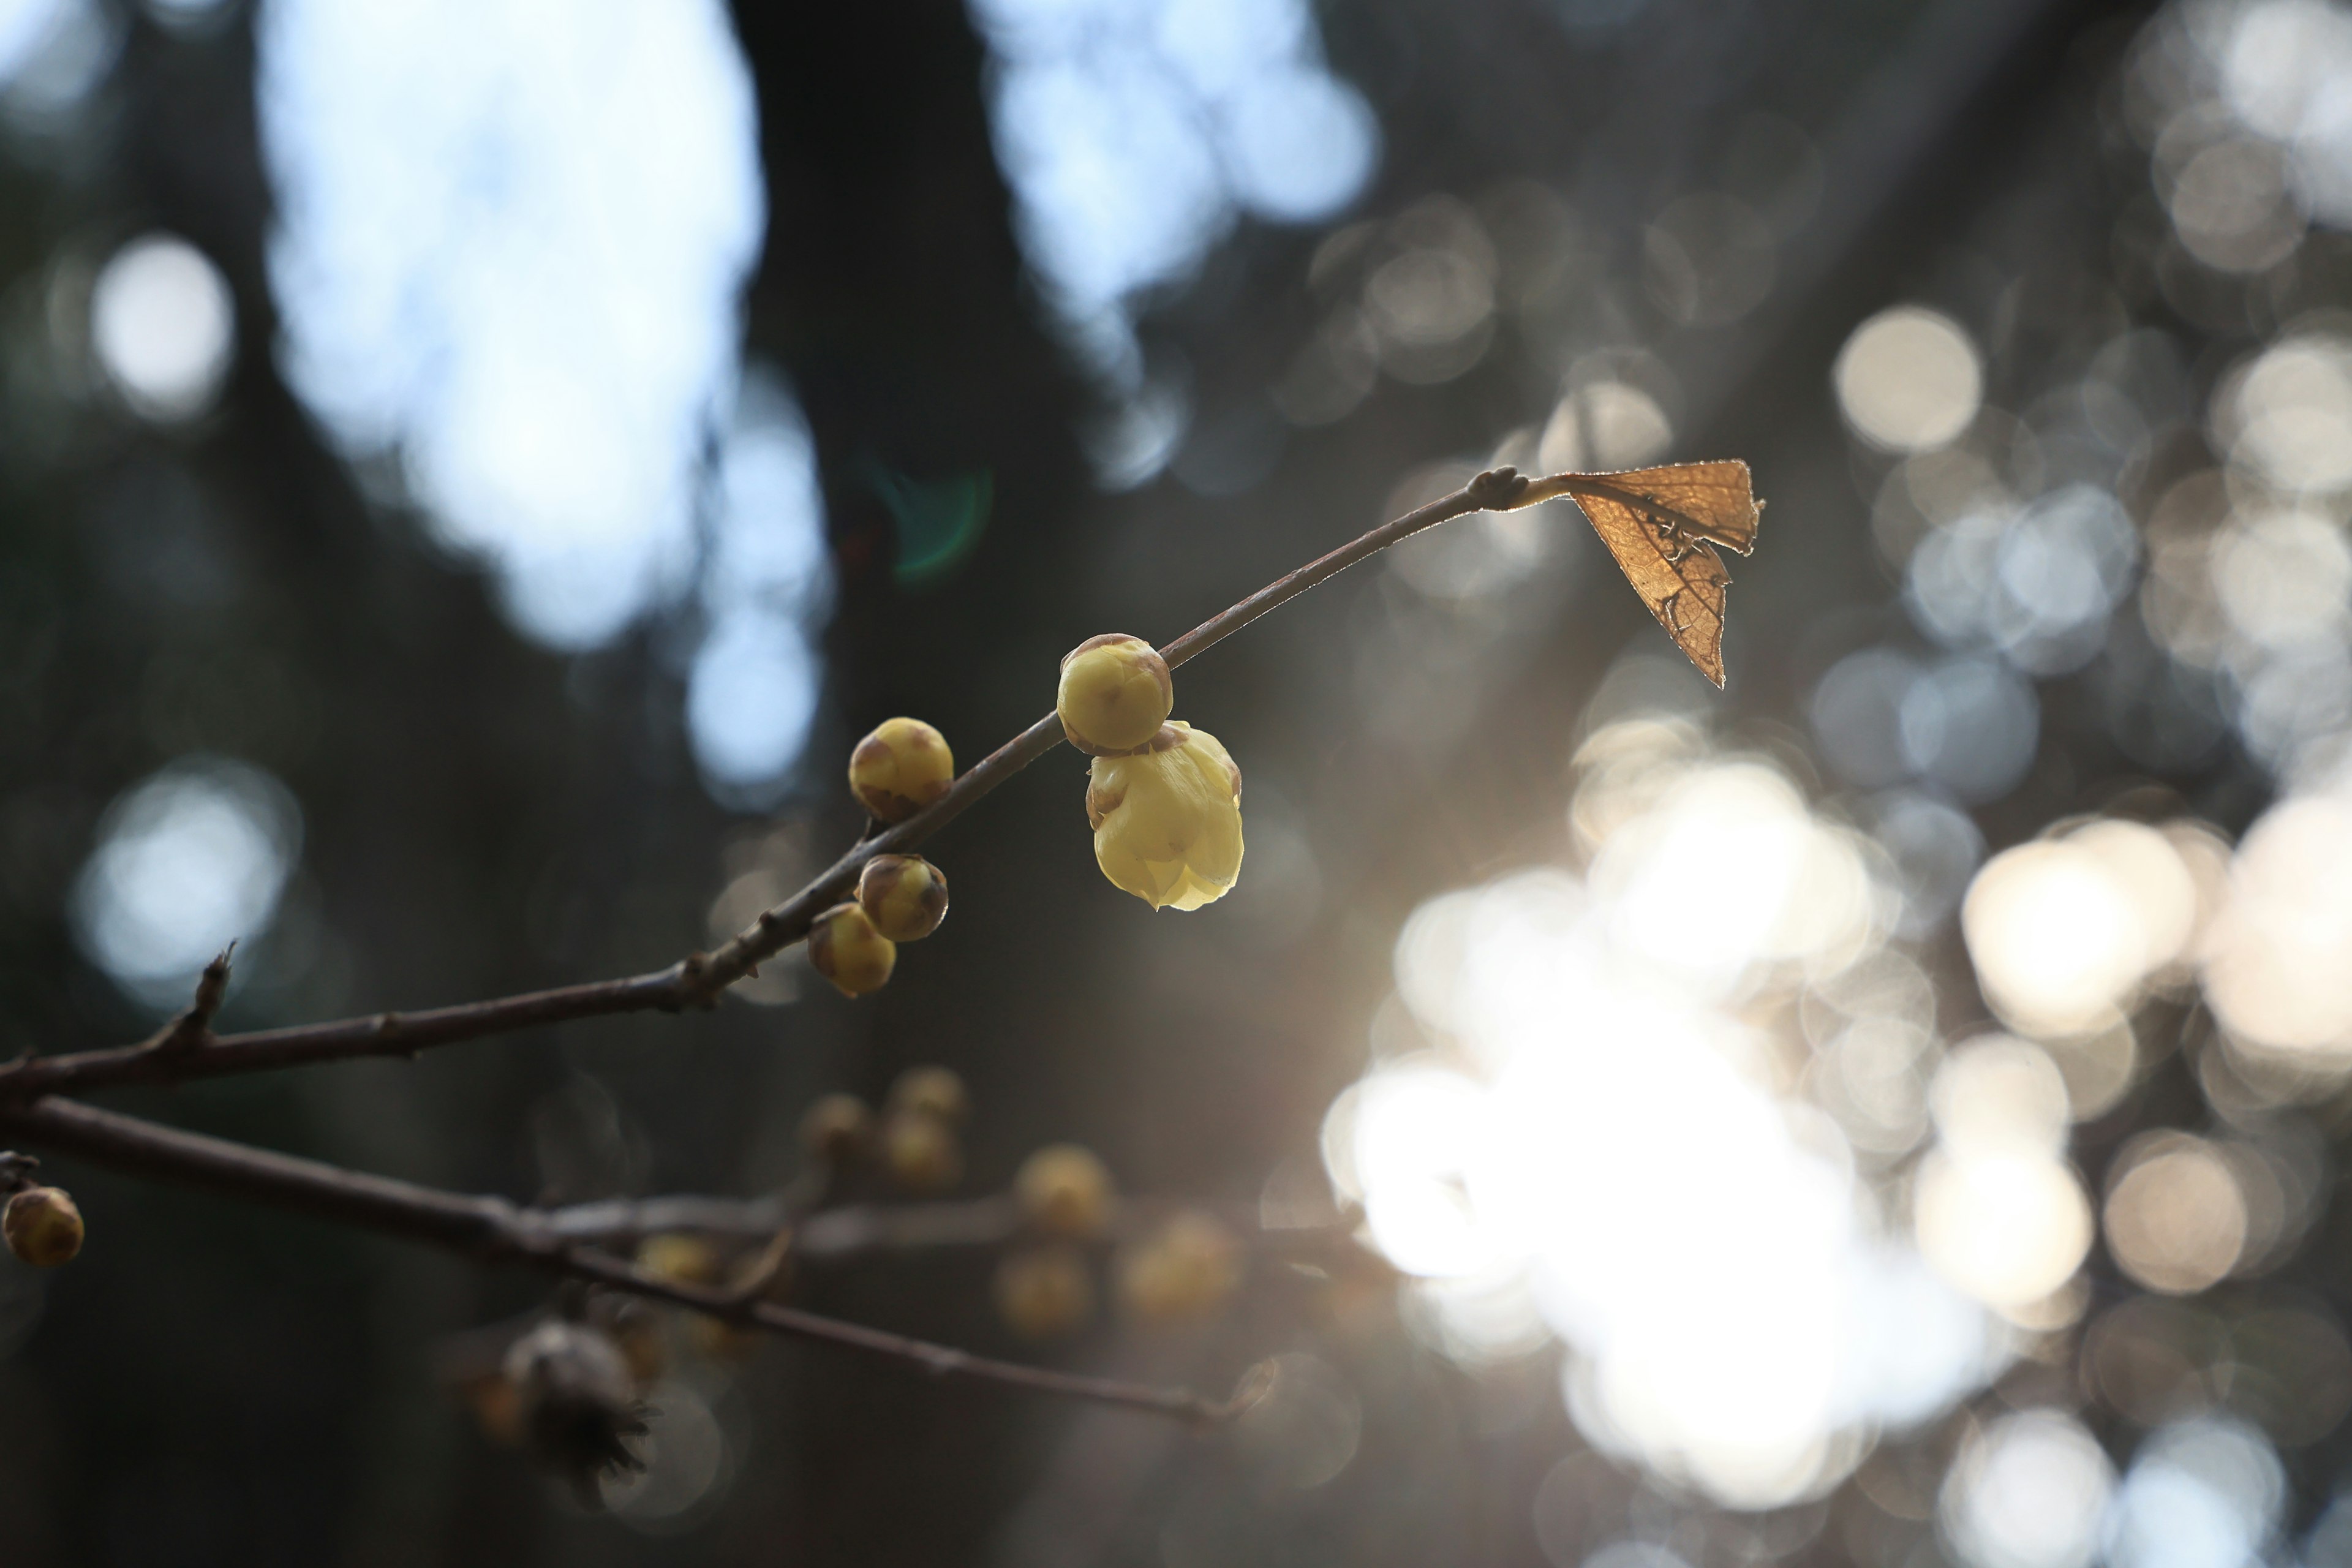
1063,1191
42,1225
905,896
836,1130
847,950
931,1091
1115,693
902,766
687,1260
920,1152
1043,1292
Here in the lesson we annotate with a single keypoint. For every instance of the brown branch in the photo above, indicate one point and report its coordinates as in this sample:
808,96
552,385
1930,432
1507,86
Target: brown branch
497,1230
696,980
859,1231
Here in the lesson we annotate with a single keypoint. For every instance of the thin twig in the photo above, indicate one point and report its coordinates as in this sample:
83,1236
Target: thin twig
860,1231
494,1229
193,1027
698,980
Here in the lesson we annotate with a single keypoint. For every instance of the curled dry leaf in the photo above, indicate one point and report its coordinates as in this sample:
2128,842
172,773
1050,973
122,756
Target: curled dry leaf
1662,525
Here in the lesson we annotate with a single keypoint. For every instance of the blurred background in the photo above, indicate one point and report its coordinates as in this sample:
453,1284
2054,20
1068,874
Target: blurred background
469,471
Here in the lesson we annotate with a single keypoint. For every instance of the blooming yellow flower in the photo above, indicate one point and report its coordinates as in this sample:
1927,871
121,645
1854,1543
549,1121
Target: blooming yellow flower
1115,694
1168,819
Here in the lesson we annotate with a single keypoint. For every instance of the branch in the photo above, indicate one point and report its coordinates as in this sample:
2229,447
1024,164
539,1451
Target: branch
496,1229
696,980
864,1230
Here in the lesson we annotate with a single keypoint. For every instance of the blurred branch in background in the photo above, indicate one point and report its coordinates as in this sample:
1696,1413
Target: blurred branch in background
494,1229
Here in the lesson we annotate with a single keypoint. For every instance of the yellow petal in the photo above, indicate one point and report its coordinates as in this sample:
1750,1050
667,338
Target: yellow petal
1174,838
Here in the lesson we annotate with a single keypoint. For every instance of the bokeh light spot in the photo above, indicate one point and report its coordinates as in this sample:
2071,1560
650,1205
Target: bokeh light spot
2176,1216
1908,379
188,861
2030,1492
510,253
163,324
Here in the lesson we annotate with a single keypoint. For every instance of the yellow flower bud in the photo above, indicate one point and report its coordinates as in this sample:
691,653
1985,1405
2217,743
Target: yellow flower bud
1063,1191
920,1152
931,1091
1044,1291
1186,1270
1115,694
43,1227
900,768
1168,821
849,951
905,895
684,1260
692,1260
836,1129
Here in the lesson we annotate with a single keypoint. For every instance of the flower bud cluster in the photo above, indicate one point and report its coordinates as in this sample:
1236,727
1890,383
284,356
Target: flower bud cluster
1163,798
921,1147
1044,1285
913,1143
1181,1269
895,772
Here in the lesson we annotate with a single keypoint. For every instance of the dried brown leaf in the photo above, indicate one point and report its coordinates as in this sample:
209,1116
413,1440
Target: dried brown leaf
1661,525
